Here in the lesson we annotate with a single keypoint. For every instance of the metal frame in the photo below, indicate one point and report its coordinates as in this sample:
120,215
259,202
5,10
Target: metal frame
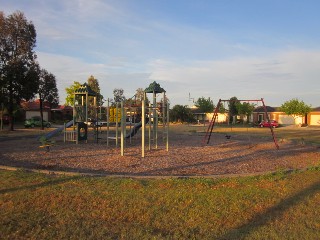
207,136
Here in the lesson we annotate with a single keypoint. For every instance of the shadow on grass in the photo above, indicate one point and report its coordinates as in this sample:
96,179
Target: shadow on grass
272,213
39,185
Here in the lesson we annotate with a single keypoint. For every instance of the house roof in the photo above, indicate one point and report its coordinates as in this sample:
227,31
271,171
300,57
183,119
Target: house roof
62,108
34,105
269,109
197,111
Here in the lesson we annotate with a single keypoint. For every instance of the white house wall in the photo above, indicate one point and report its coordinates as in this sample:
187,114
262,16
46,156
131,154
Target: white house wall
222,117
30,114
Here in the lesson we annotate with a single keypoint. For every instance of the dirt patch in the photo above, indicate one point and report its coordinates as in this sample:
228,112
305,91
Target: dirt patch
186,156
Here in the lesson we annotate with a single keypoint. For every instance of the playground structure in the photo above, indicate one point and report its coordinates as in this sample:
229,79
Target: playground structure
140,116
208,134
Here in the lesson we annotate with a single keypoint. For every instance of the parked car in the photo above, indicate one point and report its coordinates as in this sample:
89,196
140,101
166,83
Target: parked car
273,124
36,122
94,122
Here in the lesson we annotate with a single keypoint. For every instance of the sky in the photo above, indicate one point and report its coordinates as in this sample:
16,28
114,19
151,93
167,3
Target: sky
250,49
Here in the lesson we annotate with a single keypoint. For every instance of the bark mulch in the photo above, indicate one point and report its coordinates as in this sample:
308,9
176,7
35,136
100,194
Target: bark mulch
186,157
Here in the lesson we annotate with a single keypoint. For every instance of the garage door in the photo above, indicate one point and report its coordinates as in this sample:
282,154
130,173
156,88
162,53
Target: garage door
286,120
315,120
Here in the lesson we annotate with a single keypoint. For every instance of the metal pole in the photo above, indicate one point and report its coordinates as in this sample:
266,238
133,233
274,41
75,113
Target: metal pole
156,130
271,128
164,116
143,121
167,142
149,126
87,113
108,122
122,128
117,124
154,112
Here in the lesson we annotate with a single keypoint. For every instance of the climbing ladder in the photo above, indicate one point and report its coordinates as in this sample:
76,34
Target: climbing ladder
207,136
271,128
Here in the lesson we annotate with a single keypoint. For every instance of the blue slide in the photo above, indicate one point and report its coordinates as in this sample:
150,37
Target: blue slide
57,130
135,128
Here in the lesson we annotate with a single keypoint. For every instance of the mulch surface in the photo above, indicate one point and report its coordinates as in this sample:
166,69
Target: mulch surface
186,156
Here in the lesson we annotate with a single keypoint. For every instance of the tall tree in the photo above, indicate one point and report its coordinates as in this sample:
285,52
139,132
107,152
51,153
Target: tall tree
295,108
205,105
245,108
70,93
118,95
233,111
48,91
19,77
94,85
180,113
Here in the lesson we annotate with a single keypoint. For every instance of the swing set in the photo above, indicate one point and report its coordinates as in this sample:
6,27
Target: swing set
208,134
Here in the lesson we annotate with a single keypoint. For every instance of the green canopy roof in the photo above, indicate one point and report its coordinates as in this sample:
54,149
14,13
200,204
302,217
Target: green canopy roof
154,87
85,89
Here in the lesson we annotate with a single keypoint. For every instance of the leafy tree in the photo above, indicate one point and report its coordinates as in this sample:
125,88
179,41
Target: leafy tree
295,108
245,109
48,91
94,85
70,93
222,109
118,95
19,77
180,113
233,111
204,105
139,95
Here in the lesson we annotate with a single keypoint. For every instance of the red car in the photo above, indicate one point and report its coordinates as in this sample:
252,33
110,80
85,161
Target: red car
273,124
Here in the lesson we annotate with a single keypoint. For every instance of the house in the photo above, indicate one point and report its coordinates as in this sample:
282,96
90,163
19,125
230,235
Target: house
274,113
32,109
62,112
259,115
313,118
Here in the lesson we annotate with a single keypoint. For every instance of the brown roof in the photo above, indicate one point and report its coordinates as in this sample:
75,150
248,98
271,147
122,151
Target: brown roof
34,105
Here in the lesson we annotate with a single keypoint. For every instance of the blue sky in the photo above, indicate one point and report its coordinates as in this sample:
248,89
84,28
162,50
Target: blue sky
250,49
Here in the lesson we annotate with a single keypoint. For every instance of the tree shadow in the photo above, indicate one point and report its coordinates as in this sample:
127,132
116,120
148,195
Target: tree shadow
272,213
39,185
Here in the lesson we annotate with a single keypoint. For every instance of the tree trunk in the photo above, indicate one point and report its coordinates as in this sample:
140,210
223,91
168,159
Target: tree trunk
41,112
10,108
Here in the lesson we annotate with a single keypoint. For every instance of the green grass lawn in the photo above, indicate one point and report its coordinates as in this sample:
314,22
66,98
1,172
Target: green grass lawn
275,206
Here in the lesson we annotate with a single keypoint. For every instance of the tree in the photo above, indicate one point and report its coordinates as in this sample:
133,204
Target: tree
233,111
118,95
48,91
93,83
70,93
204,105
295,108
19,77
245,109
180,113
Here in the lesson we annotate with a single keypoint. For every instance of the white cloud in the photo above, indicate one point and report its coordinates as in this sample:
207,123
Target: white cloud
277,78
